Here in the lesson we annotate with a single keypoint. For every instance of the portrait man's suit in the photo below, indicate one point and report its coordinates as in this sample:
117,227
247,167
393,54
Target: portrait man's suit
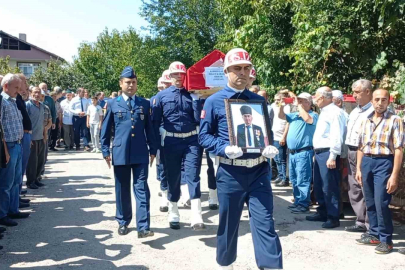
258,137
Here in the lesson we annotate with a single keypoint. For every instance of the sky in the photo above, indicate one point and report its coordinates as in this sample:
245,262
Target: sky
61,26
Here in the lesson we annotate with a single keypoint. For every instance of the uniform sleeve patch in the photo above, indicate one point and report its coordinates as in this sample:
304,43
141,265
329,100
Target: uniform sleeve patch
202,114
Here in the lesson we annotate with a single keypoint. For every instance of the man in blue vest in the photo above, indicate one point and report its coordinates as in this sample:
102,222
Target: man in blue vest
241,177
180,113
130,116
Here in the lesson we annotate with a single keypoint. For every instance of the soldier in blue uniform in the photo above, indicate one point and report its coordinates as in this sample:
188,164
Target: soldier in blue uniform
180,113
130,116
160,171
241,178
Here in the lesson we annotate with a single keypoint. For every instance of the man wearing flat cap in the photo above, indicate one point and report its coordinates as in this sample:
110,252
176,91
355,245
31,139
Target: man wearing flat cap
249,135
134,141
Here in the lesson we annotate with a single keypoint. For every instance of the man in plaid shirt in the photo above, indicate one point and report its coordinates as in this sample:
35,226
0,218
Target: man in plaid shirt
11,121
379,159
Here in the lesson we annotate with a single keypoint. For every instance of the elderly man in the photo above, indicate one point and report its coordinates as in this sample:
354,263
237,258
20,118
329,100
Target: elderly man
67,121
49,102
249,135
362,92
251,79
22,97
78,106
301,129
36,112
379,160
10,177
328,139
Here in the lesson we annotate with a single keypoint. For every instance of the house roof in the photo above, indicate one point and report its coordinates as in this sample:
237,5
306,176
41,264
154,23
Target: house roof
33,46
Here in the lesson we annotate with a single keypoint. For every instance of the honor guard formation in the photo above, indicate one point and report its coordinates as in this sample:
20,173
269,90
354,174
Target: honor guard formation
311,139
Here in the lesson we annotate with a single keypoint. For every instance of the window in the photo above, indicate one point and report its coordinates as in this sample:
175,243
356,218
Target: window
8,43
28,68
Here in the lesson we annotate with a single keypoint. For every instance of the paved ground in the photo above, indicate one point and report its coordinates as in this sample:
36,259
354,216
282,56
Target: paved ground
72,227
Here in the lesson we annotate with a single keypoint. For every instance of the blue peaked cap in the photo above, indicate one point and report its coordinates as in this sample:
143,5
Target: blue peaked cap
128,72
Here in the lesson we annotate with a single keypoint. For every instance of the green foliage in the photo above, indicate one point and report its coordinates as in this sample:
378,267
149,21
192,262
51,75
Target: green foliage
5,66
56,74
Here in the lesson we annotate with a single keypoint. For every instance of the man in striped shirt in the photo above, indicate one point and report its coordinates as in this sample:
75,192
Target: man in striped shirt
379,156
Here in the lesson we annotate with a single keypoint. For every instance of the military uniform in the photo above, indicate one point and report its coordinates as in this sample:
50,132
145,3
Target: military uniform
239,183
130,117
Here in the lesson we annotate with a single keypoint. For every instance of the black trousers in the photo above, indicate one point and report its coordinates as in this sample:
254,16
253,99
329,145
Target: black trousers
36,161
54,135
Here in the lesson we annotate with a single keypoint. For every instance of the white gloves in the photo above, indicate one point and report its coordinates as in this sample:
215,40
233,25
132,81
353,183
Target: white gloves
233,151
270,151
162,132
195,96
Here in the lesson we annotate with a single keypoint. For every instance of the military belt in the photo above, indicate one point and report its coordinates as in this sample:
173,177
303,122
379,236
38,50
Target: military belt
181,135
249,163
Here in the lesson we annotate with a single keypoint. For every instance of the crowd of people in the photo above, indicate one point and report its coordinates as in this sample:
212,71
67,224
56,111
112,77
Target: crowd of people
34,121
311,137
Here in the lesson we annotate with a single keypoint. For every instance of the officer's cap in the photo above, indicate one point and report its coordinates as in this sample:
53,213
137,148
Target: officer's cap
128,73
245,110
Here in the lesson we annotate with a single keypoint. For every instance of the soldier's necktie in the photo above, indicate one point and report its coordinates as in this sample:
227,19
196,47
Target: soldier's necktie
249,137
129,103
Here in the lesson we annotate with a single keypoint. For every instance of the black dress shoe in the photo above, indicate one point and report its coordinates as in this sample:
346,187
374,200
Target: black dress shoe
330,224
19,215
213,206
174,225
39,184
355,228
316,217
23,205
198,227
23,192
24,200
164,209
2,229
342,216
6,221
32,186
144,234
123,230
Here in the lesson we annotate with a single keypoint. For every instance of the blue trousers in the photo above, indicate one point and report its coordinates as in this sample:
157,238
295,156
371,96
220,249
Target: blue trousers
375,173
281,160
301,176
237,186
326,186
160,172
10,179
212,182
26,150
79,129
182,155
123,195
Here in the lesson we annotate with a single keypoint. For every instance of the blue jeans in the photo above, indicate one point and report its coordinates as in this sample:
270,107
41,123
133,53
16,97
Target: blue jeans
10,178
281,160
375,173
301,176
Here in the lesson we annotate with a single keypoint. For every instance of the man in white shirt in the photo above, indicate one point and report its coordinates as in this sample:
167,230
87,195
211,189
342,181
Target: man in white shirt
363,93
327,141
78,106
67,121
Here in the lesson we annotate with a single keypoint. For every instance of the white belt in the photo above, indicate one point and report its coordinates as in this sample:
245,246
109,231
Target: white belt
181,135
249,163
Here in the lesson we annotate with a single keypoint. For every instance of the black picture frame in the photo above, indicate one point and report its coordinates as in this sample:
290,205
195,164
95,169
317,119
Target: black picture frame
261,125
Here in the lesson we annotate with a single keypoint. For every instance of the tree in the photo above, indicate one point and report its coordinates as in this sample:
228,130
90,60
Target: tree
5,66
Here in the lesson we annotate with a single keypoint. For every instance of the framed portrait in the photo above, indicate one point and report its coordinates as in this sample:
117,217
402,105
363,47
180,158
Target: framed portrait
248,124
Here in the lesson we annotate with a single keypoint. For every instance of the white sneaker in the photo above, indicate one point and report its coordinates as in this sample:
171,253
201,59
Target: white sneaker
229,267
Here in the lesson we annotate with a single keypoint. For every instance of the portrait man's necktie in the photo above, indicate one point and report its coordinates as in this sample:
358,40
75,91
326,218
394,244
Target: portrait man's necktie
249,137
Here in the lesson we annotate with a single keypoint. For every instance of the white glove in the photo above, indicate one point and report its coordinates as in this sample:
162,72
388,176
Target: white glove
270,151
233,151
162,132
195,96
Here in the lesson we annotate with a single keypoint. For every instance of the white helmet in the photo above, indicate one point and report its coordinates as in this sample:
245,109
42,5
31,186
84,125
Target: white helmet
160,83
177,67
253,73
235,57
166,76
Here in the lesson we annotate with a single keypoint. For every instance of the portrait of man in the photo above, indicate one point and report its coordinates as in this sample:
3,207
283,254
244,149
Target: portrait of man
248,134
